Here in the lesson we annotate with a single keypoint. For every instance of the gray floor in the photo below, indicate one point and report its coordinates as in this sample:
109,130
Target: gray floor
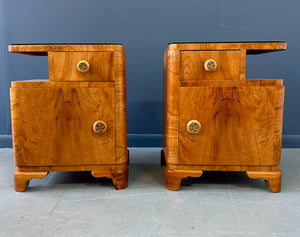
217,204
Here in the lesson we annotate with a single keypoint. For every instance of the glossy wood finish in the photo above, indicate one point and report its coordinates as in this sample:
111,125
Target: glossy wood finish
65,66
173,177
118,176
250,47
52,84
120,107
22,179
224,167
170,106
59,168
272,179
244,48
52,121
44,49
237,125
192,65
241,120
58,126
228,83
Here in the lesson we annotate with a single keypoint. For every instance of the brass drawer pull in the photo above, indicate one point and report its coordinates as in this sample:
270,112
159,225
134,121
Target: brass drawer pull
210,65
83,66
193,127
99,126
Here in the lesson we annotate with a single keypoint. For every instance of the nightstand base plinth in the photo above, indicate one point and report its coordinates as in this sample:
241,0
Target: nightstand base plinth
118,176
22,179
173,177
175,173
272,179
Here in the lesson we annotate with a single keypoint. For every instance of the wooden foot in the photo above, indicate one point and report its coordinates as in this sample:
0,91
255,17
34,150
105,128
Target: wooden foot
272,178
162,158
173,177
22,179
119,177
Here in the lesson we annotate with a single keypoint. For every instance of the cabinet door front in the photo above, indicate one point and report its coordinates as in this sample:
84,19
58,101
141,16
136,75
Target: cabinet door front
63,126
230,125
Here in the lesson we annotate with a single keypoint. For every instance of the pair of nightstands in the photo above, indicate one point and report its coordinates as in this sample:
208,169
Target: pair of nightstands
214,119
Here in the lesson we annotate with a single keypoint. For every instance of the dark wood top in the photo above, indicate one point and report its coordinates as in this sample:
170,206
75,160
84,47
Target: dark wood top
254,47
43,49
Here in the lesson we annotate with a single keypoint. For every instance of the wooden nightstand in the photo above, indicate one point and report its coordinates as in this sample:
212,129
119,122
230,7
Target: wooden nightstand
76,121
214,119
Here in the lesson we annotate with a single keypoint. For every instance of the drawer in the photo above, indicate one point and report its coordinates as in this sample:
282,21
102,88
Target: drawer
210,65
82,66
62,126
230,125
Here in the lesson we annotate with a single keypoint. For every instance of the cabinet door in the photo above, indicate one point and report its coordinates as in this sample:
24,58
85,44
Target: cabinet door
54,126
240,125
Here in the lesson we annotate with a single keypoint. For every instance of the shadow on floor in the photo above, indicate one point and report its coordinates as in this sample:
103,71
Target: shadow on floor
153,174
238,179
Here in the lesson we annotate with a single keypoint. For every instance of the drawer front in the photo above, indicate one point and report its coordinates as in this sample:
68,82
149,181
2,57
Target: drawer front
230,125
210,65
82,66
56,126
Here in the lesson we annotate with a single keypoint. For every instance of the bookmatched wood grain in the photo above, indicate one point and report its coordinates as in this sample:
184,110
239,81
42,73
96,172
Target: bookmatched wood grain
241,120
54,126
237,125
52,121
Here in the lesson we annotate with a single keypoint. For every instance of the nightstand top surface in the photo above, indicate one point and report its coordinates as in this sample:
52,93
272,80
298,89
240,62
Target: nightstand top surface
252,47
67,44
227,42
43,49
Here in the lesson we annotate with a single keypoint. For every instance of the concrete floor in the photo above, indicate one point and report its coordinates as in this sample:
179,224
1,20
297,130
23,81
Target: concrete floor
217,204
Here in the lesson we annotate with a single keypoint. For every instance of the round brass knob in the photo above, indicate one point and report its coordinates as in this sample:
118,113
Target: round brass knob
193,127
210,65
99,126
83,66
